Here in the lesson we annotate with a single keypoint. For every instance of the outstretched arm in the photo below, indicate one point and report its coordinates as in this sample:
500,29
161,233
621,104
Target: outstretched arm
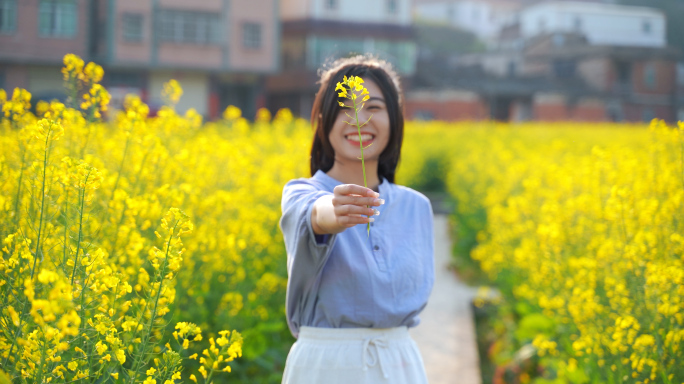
348,206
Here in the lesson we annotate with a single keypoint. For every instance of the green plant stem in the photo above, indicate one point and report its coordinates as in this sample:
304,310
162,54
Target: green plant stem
17,331
363,164
80,235
156,303
42,202
66,225
118,177
18,199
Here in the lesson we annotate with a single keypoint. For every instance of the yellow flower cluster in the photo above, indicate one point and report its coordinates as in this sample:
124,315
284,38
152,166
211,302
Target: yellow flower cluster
353,85
88,281
17,106
172,92
580,228
83,81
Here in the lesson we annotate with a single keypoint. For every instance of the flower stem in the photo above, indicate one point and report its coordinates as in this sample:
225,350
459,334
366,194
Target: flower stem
147,336
42,202
80,235
363,164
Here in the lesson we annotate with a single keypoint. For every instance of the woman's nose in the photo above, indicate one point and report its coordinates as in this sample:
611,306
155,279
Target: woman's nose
364,115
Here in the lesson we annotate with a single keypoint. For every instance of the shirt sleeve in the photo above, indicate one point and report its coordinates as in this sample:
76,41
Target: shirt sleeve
306,251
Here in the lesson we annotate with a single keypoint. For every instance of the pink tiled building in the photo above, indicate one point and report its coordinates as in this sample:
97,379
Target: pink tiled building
219,50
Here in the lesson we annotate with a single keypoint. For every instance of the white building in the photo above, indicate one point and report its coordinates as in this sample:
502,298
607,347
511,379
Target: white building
601,23
484,18
359,11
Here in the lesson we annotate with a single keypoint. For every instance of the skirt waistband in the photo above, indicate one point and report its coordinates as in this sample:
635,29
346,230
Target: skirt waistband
361,334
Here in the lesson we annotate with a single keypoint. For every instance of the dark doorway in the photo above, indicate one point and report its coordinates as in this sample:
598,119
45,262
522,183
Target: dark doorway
500,108
242,96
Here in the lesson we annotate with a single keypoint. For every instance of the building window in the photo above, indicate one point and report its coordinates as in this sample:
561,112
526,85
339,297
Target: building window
577,23
392,7
647,115
330,4
646,27
424,115
451,12
8,16
511,69
541,24
57,18
189,27
558,40
564,69
650,76
132,27
251,35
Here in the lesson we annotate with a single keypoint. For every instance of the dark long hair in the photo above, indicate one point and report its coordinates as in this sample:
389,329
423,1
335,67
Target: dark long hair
326,108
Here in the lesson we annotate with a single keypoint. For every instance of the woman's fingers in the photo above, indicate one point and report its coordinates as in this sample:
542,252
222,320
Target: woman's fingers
352,220
352,204
354,210
356,200
353,189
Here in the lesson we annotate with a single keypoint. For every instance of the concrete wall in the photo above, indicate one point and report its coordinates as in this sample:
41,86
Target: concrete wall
496,62
195,89
133,52
664,73
228,54
45,79
362,11
603,24
265,58
555,107
16,76
294,9
595,72
444,105
483,18
26,44
454,105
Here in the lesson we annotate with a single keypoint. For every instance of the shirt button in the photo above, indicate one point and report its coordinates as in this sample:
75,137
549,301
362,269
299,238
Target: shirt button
376,247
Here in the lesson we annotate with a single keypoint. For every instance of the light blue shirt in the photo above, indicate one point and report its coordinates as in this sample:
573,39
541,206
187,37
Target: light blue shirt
351,280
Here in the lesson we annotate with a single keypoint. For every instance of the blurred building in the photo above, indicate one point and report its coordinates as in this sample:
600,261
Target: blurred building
317,31
484,18
563,60
601,24
219,50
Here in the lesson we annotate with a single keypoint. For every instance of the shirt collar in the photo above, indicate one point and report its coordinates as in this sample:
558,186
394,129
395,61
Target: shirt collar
331,183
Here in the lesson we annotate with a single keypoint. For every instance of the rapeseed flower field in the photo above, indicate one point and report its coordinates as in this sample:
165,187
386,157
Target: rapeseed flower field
141,249
146,249
581,228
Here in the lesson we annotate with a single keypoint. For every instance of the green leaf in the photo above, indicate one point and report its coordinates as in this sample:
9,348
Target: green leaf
4,378
533,324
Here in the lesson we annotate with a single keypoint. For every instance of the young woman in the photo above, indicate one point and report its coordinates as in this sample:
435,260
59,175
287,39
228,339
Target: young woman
351,296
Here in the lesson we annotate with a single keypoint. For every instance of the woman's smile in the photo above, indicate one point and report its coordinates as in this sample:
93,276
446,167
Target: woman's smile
366,139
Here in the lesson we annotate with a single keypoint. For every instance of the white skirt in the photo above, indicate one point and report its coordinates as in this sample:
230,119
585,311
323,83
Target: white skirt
354,355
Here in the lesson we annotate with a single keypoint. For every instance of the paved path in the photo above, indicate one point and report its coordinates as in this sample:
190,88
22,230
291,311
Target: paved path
446,333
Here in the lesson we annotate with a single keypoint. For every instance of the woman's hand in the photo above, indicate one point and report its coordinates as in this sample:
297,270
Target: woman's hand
348,206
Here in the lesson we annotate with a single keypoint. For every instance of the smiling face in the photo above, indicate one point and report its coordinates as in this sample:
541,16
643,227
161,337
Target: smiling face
344,137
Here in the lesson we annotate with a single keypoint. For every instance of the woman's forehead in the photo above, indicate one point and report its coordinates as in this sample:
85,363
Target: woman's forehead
373,89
